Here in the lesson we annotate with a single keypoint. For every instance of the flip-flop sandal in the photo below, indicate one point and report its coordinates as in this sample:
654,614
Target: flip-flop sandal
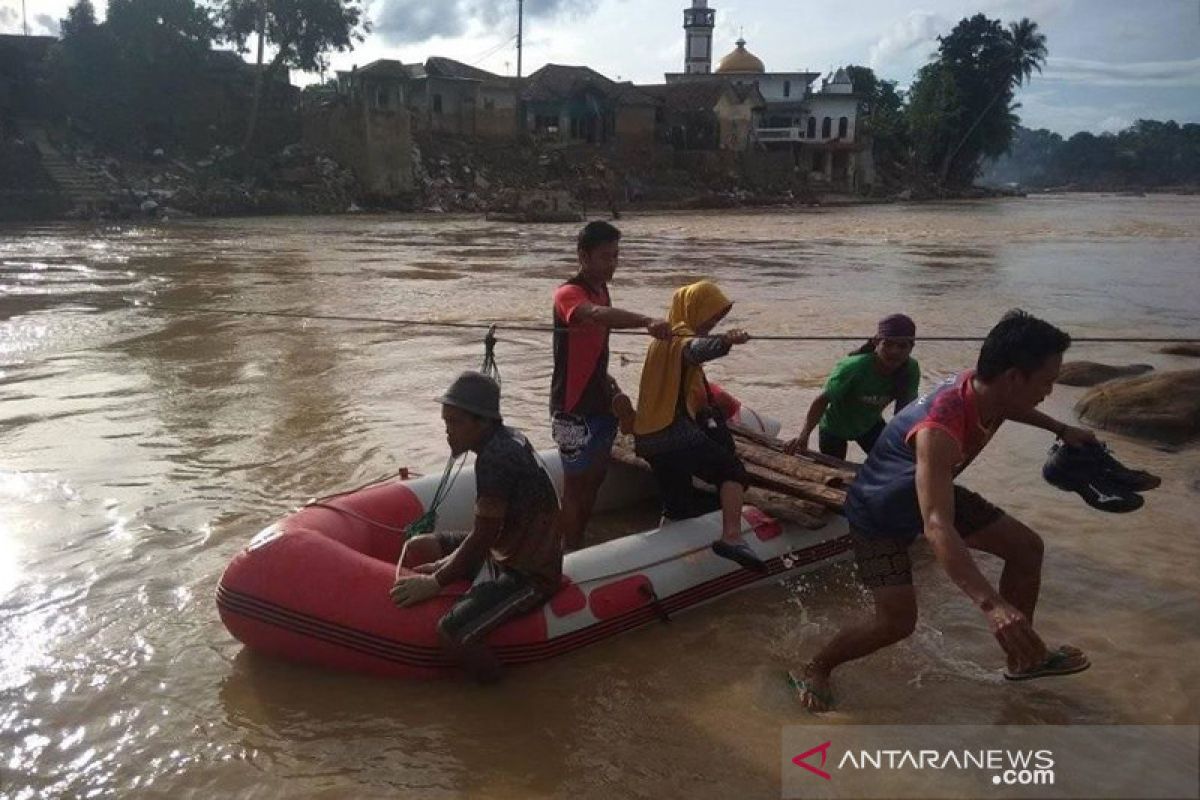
740,553
801,686
1057,663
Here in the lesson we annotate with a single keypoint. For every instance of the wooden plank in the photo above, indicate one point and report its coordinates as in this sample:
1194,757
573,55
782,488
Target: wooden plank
789,465
827,496
846,469
809,499
788,509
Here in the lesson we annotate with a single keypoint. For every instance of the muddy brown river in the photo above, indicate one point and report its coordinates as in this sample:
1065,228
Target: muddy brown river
141,447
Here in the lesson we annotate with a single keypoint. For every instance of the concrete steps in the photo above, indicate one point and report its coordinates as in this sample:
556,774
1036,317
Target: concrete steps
86,190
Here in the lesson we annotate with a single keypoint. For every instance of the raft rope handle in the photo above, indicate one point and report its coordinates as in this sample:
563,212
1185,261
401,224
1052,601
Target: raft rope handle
409,530
647,591
355,514
428,521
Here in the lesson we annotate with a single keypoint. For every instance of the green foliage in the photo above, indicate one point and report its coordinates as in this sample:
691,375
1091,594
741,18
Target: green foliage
80,18
883,119
128,79
302,32
936,114
1147,154
961,108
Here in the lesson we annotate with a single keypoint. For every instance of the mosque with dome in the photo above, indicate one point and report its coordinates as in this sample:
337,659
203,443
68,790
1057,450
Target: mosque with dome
817,124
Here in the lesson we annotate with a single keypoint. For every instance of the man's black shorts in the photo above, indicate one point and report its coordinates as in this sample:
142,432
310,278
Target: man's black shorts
884,560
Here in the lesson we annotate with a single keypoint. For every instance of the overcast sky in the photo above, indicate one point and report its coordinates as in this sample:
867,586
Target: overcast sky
1111,61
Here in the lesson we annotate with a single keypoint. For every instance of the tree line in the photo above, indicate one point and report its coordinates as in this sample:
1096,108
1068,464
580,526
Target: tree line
960,109
134,80
1148,154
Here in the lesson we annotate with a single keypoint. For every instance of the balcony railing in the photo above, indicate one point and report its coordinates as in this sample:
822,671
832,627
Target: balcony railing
797,135
780,134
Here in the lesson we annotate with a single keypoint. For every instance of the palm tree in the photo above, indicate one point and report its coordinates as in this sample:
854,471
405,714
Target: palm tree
1027,51
1025,54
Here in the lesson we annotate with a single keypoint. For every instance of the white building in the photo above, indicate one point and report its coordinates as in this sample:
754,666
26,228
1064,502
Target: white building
819,126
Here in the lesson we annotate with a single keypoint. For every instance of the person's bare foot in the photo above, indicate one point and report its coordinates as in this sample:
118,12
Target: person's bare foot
812,689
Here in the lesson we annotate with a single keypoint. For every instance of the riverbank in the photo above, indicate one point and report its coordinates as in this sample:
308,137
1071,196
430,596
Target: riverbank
73,180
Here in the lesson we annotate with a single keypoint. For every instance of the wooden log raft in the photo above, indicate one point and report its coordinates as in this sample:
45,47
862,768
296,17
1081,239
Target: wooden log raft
793,466
823,469
827,496
799,491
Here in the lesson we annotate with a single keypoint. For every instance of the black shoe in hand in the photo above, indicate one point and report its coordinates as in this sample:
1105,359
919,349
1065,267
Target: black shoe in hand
1136,480
1080,470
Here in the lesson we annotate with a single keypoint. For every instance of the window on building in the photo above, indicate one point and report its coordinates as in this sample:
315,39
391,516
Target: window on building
489,104
381,99
787,88
437,104
812,128
843,127
826,127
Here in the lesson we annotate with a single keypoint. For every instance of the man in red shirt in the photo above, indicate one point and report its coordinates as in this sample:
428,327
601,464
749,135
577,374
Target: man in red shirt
584,398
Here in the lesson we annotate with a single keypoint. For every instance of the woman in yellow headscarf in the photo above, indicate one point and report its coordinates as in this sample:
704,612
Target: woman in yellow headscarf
666,430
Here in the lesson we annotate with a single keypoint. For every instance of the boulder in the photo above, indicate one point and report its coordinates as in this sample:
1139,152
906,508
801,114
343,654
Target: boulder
1089,373
1183,349
1164,407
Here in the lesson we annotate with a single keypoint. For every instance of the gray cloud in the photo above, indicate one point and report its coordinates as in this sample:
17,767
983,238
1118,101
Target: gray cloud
47,24
39,24
918,28
405,21
1052,109
1139,73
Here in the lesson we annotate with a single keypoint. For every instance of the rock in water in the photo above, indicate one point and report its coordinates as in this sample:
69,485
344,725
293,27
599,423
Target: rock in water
1164,407
1183,349
1089,373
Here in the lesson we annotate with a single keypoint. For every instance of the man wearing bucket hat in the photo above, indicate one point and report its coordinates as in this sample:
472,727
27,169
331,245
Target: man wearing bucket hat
512,553
850,407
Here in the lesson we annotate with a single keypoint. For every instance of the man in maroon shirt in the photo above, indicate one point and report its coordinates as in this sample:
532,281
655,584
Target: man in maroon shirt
906,489
584,398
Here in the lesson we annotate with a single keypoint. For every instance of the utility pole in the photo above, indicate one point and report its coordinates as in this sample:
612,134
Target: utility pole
520,32
24,19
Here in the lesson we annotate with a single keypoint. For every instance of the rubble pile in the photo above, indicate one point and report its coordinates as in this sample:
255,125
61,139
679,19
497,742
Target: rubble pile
222,183
456,174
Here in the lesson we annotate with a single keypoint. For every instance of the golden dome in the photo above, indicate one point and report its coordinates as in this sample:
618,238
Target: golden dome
741,60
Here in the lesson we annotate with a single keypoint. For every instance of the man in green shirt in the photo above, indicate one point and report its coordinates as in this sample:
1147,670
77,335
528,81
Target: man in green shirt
862,385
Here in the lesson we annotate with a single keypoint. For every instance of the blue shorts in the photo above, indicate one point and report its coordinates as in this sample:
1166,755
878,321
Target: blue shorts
583,440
